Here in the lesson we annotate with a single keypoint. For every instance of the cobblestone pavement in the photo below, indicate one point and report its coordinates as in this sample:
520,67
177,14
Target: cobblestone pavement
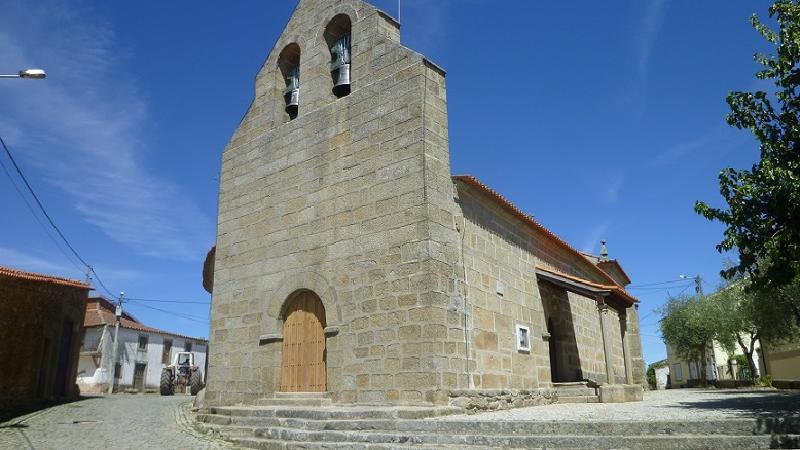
673,404
116,422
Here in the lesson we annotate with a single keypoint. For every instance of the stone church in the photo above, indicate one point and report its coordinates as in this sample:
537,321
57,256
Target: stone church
350,261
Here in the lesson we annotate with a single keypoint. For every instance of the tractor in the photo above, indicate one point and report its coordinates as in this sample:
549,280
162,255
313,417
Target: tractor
180,373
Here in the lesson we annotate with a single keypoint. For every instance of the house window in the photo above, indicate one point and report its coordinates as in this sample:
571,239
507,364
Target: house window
338,37
523,338
678,371
693,371
142,343
167,350
289,65
188,346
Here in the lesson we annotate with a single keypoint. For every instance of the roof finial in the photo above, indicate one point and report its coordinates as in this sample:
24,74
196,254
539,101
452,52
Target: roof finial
603,250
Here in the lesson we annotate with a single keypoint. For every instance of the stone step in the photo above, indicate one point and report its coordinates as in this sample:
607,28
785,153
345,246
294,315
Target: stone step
579,399
540,441
297,401
743,427
334,413
272,444
576,391
302,395
518,428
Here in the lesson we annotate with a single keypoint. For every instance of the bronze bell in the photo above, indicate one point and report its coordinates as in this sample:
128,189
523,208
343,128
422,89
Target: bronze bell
292,93
341,84
340,65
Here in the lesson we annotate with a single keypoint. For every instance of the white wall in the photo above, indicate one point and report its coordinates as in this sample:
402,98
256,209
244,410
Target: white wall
128,354
662,373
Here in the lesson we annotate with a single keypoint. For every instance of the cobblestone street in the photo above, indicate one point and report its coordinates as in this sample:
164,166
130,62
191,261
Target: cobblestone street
119,422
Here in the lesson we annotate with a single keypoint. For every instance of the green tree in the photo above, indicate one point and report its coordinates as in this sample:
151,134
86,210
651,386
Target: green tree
764,202
735,321
651,377
688,325
776,312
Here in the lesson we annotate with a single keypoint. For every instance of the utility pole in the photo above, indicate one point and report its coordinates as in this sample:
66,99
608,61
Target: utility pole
89,275
112,372
698,285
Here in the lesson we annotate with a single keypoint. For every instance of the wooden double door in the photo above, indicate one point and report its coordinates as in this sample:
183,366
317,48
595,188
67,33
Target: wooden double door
303,366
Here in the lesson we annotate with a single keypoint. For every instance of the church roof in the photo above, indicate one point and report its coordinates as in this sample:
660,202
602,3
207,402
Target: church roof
609,283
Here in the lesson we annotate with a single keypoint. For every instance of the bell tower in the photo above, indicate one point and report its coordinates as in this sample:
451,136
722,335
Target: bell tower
336,186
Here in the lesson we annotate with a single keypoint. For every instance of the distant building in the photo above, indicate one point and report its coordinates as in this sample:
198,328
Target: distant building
41,319
661,369
781,362
720,365
143,351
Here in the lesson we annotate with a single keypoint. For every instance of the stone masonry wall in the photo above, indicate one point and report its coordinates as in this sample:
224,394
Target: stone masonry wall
635,347
496,251
32,314
499,248
346,200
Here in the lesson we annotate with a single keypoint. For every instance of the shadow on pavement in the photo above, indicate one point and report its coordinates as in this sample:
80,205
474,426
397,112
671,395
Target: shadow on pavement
750,403
7,415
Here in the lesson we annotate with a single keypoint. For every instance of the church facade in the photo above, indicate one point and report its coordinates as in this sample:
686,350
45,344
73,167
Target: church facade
350,261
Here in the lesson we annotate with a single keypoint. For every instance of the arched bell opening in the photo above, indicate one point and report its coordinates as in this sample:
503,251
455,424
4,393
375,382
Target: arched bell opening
338,37
289,65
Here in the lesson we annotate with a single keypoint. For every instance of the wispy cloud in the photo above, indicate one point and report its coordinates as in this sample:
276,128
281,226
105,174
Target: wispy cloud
428,24
613,187
652,19
34,263
651,23
715,136
592,240
41,263
83,128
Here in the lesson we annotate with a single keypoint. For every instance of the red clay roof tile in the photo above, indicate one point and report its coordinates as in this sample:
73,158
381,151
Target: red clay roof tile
100,311
21,274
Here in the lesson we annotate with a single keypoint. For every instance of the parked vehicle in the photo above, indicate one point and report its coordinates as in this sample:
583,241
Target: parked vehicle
181,373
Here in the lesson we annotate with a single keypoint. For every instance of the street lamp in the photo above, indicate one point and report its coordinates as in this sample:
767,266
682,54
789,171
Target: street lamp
31,74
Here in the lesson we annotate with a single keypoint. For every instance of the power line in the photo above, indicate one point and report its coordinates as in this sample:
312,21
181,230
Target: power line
195,302
49,219
100,282
174,313
36,217
658,283
681,292
662,288
38,202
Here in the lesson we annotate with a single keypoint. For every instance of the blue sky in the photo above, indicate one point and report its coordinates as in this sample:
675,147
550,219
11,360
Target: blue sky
605,120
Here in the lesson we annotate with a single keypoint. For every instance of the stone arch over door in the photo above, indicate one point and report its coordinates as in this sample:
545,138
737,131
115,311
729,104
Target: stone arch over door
272,322
304,354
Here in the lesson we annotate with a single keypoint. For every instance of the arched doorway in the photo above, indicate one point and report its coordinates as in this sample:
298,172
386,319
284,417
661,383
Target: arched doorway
303,366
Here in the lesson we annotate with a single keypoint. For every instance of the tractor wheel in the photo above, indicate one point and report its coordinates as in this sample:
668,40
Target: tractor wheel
196,382
167,388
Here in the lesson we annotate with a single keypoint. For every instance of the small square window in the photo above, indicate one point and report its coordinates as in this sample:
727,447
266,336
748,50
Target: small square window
523,338
142,343
500,288
188,346
678,370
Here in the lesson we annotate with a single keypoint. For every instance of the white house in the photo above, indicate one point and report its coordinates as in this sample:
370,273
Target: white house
142,352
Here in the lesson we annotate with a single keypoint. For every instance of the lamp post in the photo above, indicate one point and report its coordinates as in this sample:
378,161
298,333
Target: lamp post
31,74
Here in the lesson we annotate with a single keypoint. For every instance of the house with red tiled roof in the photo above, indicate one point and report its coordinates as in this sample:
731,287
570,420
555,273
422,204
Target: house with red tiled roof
141,353
41,318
